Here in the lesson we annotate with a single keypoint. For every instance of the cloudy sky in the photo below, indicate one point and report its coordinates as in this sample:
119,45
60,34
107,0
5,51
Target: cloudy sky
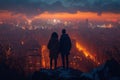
72,6
72,9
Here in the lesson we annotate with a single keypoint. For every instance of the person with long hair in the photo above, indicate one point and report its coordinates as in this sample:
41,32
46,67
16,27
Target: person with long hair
53,46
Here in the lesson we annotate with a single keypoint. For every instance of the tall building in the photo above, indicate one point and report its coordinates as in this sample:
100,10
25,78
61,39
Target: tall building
33,56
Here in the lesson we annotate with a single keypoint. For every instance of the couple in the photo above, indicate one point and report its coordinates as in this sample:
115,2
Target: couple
62,46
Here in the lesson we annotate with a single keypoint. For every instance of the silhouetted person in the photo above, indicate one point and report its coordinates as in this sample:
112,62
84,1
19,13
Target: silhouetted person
65,47
53,47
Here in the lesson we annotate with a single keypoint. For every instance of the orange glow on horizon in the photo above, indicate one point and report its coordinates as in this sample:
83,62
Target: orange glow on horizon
7,15
77,15
64,15
60,15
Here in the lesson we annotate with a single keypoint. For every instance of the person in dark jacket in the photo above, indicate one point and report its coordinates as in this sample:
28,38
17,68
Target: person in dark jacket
53,46
65,47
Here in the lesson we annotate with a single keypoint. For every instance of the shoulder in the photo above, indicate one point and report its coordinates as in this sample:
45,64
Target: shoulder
64,35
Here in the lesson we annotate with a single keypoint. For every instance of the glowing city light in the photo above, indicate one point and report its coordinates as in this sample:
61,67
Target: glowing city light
29,21
43,57
86,53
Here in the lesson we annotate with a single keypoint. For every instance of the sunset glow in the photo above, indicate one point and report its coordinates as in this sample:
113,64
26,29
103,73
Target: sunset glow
61,15
11,15
78,15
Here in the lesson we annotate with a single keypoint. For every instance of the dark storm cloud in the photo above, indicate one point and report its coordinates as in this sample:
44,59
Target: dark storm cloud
37,6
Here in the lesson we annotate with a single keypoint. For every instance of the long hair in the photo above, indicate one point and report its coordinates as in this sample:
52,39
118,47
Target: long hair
54,35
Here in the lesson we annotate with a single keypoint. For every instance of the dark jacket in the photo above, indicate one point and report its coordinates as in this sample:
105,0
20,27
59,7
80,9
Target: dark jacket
65,44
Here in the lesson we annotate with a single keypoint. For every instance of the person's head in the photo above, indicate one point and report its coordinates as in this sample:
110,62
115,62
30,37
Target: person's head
54,35
63,31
